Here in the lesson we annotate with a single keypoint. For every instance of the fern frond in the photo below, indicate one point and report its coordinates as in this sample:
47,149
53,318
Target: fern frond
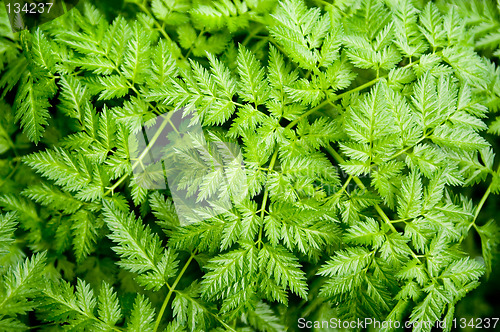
20,285
7,227
139,248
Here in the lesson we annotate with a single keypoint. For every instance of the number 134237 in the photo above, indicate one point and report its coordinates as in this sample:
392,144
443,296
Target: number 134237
31,8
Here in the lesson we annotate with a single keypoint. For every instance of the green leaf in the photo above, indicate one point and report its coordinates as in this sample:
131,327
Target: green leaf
21,284
368,233
347,262
282,266
139,248
410,197
253,87
7,227
32,103
458,138
489,243
108,307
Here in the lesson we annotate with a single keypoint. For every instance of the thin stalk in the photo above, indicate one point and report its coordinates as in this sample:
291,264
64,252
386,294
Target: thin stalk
192,45
395,221
143,155
329,101
381,212
160,28
266,194
478,209
344,187
344,94
359,88
481,203
252,35
171,291
312,110
4,133
11,174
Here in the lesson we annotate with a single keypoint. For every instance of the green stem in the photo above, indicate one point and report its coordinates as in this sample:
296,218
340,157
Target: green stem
143,155
251,35
344,187
4,133
158,26
344,94
10,174
359,88
478,208
171,291
228,328
381,212
326,3
312,110
266,195
395,221
328,101
481,203
192,45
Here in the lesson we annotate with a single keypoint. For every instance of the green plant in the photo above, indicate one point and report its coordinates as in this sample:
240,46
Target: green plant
366,131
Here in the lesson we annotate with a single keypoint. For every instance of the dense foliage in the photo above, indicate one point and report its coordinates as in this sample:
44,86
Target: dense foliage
368,135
